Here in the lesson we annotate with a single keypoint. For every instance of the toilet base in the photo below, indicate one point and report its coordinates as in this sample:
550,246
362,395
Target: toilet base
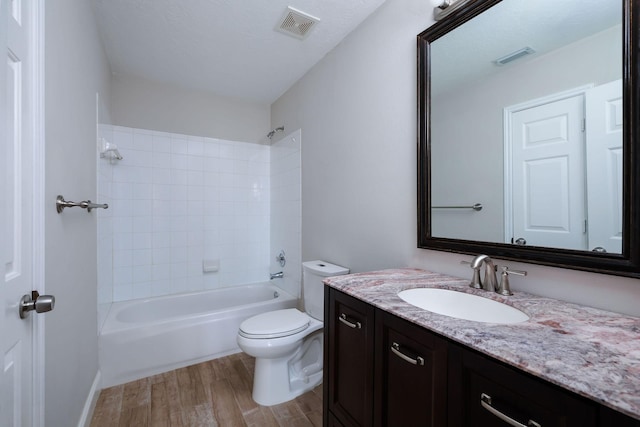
282,379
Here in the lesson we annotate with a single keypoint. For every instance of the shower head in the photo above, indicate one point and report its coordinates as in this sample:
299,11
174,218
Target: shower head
273,131
107,147
117,155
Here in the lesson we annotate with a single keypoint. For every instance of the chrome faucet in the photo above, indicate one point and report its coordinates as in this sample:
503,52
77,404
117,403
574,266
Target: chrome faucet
490,282
505,288
277,275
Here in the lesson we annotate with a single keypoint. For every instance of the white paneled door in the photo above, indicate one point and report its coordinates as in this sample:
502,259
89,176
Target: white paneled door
604,167
18,176
548,194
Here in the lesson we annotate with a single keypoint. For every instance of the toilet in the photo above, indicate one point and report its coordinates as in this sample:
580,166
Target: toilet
287,344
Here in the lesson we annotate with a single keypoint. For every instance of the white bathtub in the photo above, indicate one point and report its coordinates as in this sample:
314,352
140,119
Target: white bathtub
149,336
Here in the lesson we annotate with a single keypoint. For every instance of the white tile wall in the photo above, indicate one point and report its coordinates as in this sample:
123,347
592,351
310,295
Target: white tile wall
286,212
105,230
175,200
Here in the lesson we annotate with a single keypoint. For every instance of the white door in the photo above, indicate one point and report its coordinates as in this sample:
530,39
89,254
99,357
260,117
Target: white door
604,166
17,190
547,171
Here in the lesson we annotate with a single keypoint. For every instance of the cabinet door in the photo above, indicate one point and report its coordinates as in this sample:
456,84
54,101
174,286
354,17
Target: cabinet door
611,418
411,374
331,421
483,392
348,375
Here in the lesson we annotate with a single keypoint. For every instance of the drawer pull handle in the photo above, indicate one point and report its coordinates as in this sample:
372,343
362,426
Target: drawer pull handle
354,325
395,348
485,401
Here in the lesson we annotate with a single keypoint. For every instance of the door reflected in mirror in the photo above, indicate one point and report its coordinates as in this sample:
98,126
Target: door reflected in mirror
526,119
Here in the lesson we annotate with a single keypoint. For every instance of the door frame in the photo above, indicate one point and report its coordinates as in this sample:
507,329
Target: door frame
37,52
507,114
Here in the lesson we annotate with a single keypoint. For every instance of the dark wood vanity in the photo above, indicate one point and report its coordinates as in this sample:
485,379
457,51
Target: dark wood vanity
381,370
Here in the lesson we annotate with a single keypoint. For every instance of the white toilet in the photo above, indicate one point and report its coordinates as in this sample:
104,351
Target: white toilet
287,344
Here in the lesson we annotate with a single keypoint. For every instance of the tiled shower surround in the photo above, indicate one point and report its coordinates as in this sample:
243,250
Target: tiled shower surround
176,200
286,210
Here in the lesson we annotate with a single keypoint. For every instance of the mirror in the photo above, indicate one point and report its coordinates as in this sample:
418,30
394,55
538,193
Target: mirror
527,116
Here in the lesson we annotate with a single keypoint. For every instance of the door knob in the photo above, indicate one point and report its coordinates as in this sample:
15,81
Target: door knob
521,241
35,302
599,249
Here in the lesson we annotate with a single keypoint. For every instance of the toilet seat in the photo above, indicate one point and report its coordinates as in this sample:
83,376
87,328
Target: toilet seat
275,324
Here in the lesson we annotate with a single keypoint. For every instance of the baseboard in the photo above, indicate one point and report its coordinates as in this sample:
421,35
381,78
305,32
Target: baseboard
90,403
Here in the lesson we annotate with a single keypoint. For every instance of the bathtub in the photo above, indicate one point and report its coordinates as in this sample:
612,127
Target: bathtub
145,337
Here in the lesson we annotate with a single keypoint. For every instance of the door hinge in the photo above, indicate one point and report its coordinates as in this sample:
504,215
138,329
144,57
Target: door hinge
584,125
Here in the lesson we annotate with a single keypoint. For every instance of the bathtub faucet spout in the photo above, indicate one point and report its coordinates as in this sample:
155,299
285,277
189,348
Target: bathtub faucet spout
278,275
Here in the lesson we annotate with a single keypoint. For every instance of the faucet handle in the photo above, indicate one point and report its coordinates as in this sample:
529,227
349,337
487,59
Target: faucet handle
475,280
505,288
516,272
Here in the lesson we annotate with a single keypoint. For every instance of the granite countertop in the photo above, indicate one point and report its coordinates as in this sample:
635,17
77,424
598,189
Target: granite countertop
592,352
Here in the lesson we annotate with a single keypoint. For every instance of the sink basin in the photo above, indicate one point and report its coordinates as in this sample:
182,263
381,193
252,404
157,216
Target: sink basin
462,306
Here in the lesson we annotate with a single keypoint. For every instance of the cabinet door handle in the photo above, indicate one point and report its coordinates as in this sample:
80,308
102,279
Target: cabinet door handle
395,348
354,325
485,401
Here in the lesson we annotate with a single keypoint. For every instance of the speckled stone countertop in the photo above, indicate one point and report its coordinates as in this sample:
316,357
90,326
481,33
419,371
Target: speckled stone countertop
592,352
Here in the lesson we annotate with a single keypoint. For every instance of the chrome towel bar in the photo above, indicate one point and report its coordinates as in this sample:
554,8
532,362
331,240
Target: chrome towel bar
61,203
476,207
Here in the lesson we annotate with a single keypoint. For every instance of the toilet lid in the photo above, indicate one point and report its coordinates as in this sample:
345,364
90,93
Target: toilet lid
274,324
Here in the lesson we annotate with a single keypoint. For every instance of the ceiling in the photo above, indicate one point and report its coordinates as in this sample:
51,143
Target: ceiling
226,47
468,53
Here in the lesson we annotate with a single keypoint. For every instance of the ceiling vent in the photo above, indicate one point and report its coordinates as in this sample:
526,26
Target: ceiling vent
296,23
514,55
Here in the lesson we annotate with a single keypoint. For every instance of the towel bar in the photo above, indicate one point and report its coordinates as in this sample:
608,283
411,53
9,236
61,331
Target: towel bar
61,203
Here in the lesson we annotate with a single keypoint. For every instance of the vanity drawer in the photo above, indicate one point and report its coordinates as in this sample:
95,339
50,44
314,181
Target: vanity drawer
488,393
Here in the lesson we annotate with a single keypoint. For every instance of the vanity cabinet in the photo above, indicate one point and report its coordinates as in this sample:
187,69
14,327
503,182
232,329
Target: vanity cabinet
610,418
348,360
380,370
410,374
485,392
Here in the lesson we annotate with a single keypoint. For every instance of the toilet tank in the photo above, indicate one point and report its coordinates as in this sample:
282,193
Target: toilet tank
313,272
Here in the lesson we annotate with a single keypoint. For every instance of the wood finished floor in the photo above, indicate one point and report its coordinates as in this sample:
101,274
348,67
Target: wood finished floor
214,393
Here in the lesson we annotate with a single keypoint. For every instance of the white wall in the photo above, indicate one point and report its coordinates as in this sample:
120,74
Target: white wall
357,109
480,178
76,69
145,104
177,200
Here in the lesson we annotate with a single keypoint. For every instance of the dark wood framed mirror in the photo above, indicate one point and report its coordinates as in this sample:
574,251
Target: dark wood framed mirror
490,95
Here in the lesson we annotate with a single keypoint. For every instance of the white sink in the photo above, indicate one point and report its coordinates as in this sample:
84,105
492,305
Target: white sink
462,306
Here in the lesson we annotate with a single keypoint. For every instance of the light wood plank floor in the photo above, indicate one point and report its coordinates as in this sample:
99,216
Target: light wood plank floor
214,393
